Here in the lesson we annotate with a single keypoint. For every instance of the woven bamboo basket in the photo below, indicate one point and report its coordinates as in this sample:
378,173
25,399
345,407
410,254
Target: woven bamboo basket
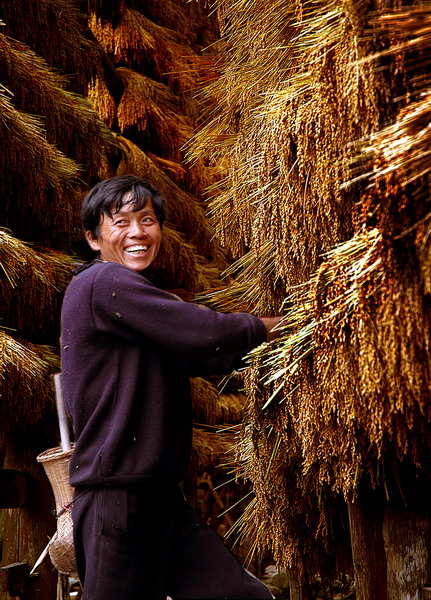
61,550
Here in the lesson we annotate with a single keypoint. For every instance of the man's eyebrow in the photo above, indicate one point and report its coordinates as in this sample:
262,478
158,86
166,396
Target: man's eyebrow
124,211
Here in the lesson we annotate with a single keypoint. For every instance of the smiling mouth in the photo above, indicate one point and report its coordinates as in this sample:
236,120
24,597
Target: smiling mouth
133,249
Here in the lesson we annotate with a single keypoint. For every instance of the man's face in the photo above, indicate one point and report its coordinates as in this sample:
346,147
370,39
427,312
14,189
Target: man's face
130,238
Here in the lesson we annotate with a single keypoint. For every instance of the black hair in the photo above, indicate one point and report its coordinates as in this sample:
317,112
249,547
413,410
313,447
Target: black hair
107,197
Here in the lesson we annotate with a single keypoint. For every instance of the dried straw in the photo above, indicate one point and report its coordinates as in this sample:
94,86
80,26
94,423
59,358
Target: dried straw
25,385
214,408
54,30
31,283
37,177
70,121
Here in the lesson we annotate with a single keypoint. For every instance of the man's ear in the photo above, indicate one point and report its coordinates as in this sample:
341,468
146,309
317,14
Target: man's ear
92,242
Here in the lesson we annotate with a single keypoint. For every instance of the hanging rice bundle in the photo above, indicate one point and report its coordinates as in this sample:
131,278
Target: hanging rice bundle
148,115
193,21
142,45
179,266
31,283
210,449
212,407
70,121
286,64
54,30
344,393
25,385
103,101
205,398
37,180
252,287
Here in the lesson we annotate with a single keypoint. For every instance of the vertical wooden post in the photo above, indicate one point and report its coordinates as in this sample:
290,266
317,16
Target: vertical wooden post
298,590
26,530
369,559
407,537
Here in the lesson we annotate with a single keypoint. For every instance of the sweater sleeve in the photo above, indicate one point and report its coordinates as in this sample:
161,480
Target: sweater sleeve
128,305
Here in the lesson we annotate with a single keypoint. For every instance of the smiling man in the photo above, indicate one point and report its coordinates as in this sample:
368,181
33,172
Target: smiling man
128,351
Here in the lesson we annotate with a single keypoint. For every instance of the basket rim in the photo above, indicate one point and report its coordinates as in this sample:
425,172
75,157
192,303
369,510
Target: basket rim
56,453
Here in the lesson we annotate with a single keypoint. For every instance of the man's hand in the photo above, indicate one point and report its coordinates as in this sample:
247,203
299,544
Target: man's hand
270,323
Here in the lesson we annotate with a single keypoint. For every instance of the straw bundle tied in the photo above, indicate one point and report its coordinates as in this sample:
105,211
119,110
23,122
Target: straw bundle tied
150,108
70,121
344,392
35,171
24,383
54,30
31,283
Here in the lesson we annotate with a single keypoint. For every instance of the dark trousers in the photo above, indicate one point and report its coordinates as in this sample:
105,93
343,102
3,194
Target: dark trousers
142,543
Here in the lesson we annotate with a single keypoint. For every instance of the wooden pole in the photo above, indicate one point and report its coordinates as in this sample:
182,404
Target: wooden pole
298,588
26,530
407,537
368,551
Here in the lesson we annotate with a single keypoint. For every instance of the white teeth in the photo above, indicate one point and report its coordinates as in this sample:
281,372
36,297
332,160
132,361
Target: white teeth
137,249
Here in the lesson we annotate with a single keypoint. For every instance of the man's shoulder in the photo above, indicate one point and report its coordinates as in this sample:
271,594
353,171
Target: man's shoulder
100,268
100,273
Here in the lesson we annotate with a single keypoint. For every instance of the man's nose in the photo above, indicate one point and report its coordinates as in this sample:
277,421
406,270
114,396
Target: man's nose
136,228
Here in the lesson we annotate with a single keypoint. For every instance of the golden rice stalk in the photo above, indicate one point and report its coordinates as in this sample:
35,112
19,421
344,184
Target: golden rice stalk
32,283
70,121
36,179
25,385
359,265
212,408
408,28
402,148
149,47
252,286
54,30
102,101
209,449
150,108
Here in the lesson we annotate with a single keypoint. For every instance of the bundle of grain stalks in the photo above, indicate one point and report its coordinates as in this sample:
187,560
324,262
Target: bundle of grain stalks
56,30
31,283
323,116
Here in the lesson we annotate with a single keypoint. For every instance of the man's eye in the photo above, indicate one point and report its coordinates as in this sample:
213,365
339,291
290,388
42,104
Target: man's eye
148,220
120,222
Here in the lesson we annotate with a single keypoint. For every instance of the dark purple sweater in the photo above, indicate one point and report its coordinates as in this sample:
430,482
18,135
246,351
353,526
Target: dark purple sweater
128,350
